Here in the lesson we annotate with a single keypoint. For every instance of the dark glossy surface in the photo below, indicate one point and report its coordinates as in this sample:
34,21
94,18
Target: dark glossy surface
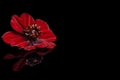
54,63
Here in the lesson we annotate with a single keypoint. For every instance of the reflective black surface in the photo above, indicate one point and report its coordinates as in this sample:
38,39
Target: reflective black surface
54,63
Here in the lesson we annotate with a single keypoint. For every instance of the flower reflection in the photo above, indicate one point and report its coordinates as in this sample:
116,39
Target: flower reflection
33,61
27,58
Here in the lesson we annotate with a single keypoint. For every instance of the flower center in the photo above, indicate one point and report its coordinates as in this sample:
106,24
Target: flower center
32,32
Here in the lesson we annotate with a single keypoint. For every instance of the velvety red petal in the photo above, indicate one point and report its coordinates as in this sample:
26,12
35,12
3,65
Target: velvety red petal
27,19
51,45
23,44
40,53
48,36
17,41
43,25
28,48
10,37
16,24
46,33
44,44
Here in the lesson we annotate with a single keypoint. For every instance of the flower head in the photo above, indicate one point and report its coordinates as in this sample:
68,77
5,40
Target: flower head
29,34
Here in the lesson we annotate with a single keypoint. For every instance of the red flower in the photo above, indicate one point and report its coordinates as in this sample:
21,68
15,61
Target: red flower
29,34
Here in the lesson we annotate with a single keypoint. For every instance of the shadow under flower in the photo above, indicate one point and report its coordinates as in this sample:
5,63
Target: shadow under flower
27,58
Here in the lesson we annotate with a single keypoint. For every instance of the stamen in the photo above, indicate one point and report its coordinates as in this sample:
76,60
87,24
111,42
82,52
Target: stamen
32,32
35,24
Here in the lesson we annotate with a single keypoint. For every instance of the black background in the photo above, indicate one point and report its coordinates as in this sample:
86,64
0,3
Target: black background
79,29
55,63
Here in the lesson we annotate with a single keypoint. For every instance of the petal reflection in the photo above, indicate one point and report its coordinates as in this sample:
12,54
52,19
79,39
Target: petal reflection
27,58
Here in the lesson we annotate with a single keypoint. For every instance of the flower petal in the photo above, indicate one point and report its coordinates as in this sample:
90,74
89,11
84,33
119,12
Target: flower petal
51,45
43,44
27,20
23,44
16,24
43,25
17,41
12,38
28,48
47,35
42,53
